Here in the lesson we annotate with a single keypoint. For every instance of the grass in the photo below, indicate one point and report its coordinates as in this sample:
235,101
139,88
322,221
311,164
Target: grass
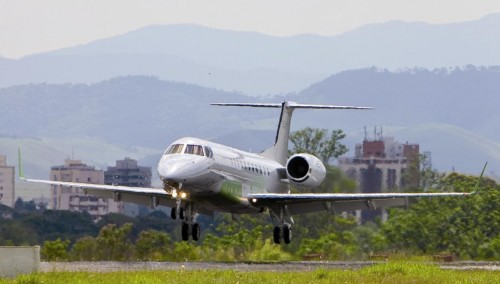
390,272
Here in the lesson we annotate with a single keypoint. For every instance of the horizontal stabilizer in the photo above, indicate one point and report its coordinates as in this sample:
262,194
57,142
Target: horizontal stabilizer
279,151
289,105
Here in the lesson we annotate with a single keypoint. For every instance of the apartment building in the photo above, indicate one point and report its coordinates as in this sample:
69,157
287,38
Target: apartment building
7,176
74,199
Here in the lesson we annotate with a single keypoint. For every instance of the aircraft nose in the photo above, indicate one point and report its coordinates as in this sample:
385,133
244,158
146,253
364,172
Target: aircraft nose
166,172
178,168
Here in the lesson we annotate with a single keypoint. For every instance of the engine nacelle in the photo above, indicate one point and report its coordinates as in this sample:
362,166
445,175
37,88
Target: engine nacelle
305,170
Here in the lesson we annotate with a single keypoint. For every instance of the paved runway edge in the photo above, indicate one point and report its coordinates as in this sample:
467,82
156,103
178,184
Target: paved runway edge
108,266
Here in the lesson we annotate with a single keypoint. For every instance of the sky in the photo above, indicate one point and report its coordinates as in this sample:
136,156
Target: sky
33,26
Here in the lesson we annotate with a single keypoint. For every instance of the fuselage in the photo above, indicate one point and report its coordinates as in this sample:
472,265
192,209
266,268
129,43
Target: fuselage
219,177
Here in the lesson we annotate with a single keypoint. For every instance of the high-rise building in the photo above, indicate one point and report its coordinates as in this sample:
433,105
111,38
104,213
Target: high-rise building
74,199
382,165
128,173
7,176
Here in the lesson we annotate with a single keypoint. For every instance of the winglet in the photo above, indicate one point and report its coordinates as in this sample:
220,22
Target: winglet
479,180
21,172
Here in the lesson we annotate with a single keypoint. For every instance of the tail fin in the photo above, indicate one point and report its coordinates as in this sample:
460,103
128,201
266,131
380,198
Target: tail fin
279,152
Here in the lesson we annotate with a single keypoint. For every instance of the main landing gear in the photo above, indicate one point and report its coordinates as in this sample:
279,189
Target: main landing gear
189,226
283,232
283,229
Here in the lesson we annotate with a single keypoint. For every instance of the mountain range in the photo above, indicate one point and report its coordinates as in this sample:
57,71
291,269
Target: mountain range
133,94
451,113
258,64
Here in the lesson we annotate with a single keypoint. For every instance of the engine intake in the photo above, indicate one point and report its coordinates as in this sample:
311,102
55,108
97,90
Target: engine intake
305,170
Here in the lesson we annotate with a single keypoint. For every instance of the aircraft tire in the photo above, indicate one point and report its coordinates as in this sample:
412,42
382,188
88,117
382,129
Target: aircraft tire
196,231
185,231
277,235
173,213
287,234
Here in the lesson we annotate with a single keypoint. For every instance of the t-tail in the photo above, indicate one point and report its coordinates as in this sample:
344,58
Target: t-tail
279,151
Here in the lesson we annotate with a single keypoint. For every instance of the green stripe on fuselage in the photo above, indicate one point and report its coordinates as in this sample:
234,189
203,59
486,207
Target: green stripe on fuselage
232,188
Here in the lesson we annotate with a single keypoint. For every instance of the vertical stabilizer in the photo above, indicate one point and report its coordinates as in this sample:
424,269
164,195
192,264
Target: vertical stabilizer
279,152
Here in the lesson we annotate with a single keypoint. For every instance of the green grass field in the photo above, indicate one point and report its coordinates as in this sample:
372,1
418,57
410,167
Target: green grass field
391,272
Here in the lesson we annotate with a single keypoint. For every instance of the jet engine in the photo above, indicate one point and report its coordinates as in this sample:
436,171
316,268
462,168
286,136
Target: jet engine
305,170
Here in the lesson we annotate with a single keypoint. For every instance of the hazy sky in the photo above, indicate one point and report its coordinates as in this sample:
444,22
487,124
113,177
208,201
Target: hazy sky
31,26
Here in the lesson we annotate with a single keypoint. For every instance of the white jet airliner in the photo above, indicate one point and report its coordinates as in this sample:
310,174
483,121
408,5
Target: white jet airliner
202,177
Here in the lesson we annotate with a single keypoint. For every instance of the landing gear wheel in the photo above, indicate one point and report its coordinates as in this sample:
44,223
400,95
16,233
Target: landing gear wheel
185,231
195,231
287,234
181,213
277,235
173,213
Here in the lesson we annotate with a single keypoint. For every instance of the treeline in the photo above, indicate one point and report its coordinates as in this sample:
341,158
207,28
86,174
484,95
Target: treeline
466,227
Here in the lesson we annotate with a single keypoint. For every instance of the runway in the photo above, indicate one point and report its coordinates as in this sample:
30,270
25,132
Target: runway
108,266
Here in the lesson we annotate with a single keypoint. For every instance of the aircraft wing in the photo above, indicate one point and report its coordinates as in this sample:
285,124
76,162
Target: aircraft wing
140,195
336,202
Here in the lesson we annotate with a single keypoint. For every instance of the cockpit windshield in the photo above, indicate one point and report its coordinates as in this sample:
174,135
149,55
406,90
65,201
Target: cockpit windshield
189,149
194,150
175,149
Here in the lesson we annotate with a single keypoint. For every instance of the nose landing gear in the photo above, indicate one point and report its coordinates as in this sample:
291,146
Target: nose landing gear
177,211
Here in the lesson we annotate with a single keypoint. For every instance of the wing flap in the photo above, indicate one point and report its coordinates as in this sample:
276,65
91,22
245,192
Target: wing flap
337,202
141,195
132,197
104,187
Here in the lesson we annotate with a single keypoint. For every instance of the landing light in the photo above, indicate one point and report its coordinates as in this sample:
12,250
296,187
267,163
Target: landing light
254,200
183,195
174,193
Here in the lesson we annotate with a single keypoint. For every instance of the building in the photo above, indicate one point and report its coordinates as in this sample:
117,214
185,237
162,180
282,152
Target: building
382,165
74,199
7,176
128,173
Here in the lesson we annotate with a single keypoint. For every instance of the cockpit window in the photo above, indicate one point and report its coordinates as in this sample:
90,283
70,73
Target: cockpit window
175,149
208,152
194,149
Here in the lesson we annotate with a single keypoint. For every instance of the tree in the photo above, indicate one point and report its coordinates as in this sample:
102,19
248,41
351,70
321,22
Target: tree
85,249
319,143
113,242
465,226
152,245
23,207
55,250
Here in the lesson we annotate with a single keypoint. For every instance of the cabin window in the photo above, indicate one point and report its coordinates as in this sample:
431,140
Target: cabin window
208,152
174,149
194,150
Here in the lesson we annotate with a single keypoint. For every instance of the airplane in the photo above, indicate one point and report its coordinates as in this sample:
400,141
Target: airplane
203,177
